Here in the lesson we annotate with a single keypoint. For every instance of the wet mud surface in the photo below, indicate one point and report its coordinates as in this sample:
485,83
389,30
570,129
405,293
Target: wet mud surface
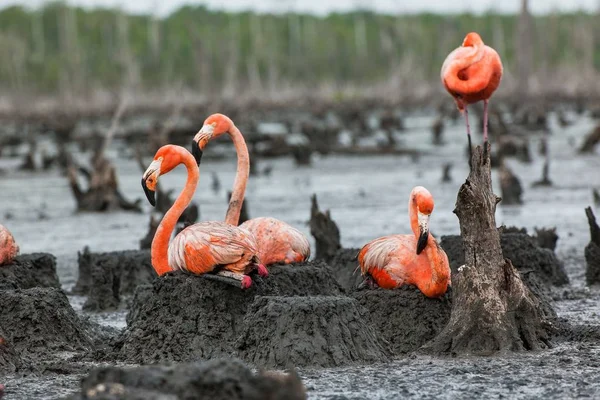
161,320
219,379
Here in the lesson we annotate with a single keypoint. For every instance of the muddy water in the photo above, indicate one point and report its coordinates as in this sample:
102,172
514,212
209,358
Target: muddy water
368,198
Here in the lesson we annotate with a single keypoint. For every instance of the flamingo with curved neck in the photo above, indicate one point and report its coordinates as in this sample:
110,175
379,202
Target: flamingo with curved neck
278,242
8,247
397,260
472,73
202,247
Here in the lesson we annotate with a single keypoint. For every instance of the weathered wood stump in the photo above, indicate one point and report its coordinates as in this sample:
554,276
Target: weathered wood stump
591,140
492,310
103,192
545,181
510,185
325,231
592,250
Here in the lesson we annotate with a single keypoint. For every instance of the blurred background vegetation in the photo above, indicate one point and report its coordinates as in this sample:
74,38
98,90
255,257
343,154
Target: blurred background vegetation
63,49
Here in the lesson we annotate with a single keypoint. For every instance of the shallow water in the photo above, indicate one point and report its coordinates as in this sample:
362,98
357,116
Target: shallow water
368,198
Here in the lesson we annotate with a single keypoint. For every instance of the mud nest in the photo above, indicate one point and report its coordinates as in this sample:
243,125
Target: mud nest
522,250
9,359
29,271
184,317
405,317
220,379
322,331
39,322
592,250
105,277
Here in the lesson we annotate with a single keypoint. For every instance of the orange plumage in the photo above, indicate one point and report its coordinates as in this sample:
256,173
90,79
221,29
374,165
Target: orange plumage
277,241
200,248
8,247
472,73
417,259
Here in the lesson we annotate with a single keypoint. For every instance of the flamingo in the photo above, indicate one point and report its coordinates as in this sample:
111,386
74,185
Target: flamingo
396,260
203,247
472,73
278,242
8,247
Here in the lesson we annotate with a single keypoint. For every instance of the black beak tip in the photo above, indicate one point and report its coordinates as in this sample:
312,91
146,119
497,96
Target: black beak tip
150,194
196,152
422,243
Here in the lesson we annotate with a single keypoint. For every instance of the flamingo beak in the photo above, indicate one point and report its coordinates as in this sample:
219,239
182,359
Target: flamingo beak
423,231
150,180
196,152
201,140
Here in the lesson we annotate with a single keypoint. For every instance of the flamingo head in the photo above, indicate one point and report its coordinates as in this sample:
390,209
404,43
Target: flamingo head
214,126
472,39
165,159
422,200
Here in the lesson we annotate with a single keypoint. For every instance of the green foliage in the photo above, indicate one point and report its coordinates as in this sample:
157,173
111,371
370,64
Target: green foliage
58,47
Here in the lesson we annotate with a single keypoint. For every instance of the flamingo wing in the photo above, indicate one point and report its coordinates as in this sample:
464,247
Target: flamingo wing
278,241
201,247
388,259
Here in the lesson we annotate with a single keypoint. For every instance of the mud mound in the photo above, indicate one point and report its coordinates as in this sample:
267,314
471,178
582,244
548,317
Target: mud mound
141,295
222,379
184,318
323,331
592,260
9,359
405,317
522,250
344,265
39,322
105,277
135,269
310,278
29,271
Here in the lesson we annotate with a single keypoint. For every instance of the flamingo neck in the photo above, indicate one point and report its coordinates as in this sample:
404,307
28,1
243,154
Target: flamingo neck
241,176
451,75
440,270
160,244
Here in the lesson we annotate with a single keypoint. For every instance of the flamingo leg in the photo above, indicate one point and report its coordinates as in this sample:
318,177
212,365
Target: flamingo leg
231,278
485,126
469,135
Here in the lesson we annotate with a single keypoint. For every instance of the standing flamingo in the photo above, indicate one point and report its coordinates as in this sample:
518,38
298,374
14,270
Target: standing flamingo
200,248
396,260
472,73
8,247
277,241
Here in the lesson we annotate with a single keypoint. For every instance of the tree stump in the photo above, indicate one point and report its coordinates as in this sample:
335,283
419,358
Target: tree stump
325,231
591,140
492,310
592,250
510,185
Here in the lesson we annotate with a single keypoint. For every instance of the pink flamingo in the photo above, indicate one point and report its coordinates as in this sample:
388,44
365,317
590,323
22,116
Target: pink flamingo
277,241
200,248
8,247
417,259
472,73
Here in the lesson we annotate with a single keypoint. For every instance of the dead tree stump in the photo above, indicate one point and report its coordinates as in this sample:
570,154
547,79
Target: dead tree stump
591,140
592,250
325,231
492,310
510,185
